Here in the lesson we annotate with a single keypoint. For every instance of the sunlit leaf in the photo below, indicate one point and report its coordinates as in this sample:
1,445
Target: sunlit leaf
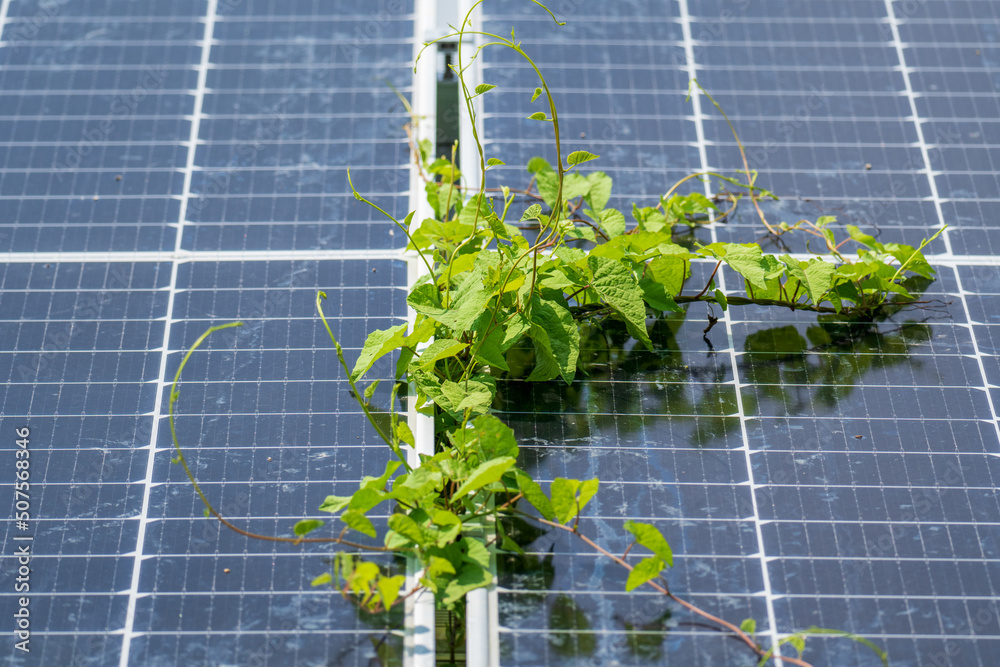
306,526
646,569
579,157
650,537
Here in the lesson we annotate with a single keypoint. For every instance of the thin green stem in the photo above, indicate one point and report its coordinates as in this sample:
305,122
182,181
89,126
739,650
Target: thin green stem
175,394
320,296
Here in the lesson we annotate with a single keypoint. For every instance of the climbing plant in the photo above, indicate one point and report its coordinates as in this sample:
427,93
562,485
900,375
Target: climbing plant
511,278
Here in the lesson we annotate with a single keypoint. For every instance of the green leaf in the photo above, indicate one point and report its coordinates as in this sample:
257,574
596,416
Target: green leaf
485,473
617,286
496,439
370,390
474,394
532,212
378,344
658,297
410,529
469,578
438,350
579,157
537,165
489,353
378,483
556,339
388,588
363,576
306,526
404,434
911,258
646,569
538,115
864,239
748,261
334,504
574,186
600,191
325,578
570,496
564,498
720,298
663,280
498,228
359,522
366,498
649,219
612,222
417,485
484,88
533,493
438,566
494,162
476,552
816,276
538,91
469,216
588,489
749,626
426,149
426,300
650,537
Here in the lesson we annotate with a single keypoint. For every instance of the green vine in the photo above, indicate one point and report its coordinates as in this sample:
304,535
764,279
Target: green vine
498,284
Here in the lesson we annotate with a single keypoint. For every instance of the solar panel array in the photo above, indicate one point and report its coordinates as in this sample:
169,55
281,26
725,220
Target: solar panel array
807,473
167,166
148,151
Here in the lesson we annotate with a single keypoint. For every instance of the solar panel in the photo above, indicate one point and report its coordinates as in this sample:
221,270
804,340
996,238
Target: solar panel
168,166
191,158
808,473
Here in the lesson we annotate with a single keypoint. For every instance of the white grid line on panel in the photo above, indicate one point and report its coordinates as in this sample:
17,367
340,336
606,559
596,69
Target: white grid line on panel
691,67
144,520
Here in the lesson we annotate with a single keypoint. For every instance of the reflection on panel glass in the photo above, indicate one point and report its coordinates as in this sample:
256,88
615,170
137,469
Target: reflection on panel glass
659,427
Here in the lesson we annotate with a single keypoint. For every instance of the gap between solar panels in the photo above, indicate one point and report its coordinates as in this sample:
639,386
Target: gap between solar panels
488,295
